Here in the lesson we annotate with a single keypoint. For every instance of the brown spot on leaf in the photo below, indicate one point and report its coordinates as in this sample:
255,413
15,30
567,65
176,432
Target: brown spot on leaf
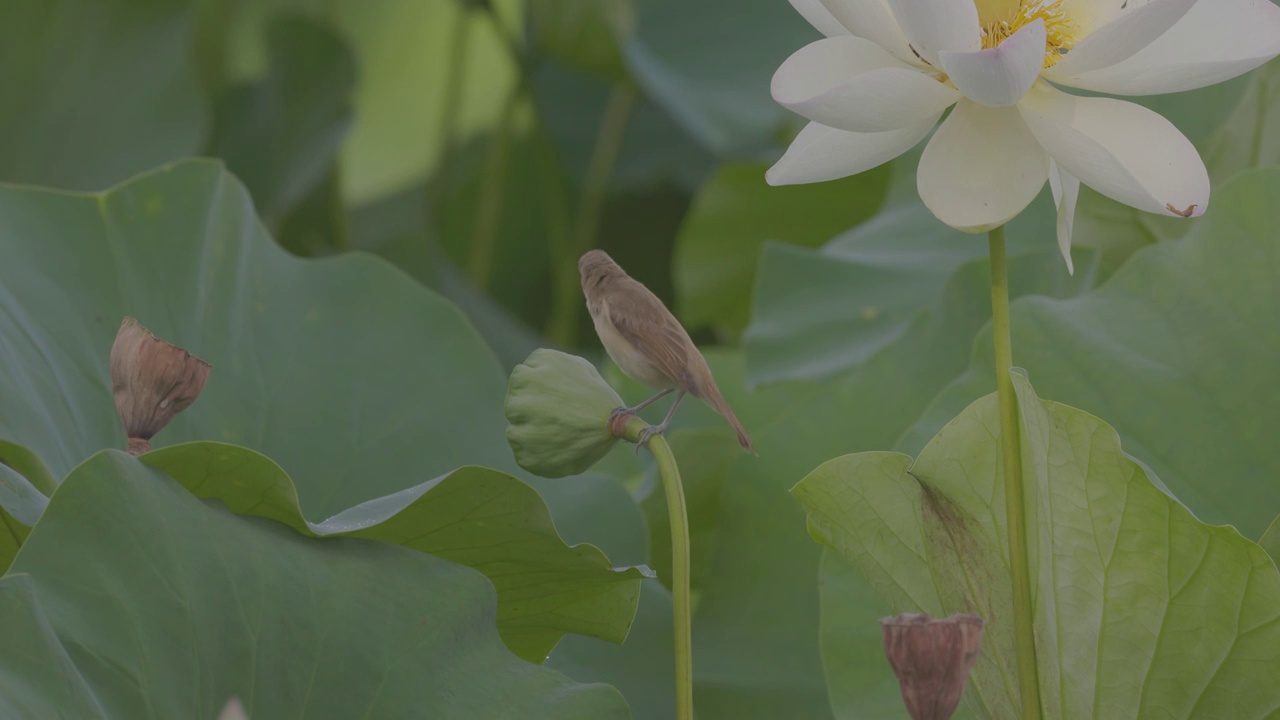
962,556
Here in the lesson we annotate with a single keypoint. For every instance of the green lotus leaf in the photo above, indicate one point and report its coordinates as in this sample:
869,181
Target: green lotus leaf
473,516
1175,350
1140,608
132,598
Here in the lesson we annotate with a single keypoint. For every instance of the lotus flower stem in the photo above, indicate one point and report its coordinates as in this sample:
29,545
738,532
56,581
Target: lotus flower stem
1015,507
450,113
490,207
450,108
679,517
630,427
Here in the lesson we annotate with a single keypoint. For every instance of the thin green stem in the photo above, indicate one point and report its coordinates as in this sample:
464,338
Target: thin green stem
451,103
1015,506
680,603
339,223
595,188
488,220
210,43
562,326
678,516
508,37
437,185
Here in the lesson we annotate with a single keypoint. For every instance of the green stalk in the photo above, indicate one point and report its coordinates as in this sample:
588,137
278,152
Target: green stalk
437,184
680,600
562,324
595,187
339,222
681,608
210,41
488,221
451,105
1015,506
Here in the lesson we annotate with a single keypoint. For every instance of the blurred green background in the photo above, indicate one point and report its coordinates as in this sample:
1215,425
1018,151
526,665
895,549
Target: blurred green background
480,146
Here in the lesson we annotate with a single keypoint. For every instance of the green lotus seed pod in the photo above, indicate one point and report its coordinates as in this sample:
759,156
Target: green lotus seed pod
559,410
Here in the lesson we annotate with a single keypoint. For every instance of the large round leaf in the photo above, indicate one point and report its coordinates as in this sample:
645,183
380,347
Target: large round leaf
1178,350
354,378
860,681
598,509
817,313
1140,609
91,93
642,669
134,599
395,228
473,516
1270,540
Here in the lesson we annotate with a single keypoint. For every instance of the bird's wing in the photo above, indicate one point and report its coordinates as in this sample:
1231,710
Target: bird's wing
652,330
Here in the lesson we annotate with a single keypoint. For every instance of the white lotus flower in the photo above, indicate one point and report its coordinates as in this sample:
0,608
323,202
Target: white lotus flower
888,70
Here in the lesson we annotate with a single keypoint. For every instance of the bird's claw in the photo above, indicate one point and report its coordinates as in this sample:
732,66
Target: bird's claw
619,412
646,434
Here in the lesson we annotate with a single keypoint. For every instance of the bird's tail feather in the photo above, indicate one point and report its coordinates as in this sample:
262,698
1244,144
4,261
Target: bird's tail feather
718,403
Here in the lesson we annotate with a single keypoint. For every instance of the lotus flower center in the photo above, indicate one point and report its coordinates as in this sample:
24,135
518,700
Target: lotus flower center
1000,19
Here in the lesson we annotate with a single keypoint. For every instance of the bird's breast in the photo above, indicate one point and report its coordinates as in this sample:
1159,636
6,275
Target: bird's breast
631,361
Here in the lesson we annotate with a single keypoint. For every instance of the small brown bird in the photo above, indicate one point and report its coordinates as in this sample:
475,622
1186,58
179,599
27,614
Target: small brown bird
647,342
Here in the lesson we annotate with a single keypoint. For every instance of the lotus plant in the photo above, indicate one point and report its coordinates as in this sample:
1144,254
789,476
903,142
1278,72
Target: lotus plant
888,70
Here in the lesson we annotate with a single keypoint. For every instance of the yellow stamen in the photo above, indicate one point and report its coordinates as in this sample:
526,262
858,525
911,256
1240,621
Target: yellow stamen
1059,30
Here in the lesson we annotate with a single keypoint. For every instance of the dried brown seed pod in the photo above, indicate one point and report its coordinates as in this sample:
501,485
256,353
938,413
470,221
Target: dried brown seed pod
932,659
152,381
